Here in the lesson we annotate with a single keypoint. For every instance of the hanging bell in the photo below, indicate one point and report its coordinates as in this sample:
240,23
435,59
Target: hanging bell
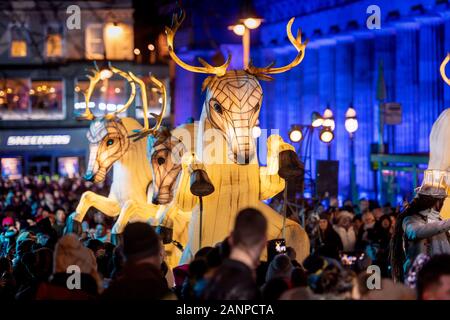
289,165
166,234
200,184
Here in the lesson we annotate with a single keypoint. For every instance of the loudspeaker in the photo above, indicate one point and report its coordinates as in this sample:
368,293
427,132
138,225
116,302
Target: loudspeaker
327,175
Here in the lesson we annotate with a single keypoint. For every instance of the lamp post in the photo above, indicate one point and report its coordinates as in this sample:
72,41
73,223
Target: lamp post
327,133
351,125
242,28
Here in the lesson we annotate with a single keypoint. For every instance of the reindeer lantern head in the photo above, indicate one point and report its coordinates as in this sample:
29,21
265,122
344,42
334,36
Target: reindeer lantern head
233,98
165,153
110,137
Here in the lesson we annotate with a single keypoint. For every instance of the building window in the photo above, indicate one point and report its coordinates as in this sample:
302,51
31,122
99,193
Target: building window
46,99
53,44
154,99
18,47
14,99
94,42
118,41
22,99
108,96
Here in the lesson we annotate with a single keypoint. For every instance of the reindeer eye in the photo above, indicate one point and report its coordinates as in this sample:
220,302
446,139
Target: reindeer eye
161,160
217,107
109,142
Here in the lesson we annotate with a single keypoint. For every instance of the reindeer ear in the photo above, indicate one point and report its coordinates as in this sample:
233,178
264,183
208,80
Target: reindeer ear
207,82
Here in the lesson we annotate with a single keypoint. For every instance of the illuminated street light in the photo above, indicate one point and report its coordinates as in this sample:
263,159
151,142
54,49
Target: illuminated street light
238,29
252,23
351,122
242,28
316,120
136,51
295,134
326,135
328,119
151,47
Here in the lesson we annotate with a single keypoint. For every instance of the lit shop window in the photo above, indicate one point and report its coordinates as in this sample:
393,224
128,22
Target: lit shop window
14,98
18,48
22,99
109,96
53,45
46,99
118,41
154,98
94,42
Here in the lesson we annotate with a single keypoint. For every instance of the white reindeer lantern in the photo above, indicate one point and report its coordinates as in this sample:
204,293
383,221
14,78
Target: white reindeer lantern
231,109
116,143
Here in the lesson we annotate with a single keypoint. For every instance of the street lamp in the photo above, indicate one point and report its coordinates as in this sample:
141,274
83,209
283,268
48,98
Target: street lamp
351,125
242,28
327,134
316,120
295,134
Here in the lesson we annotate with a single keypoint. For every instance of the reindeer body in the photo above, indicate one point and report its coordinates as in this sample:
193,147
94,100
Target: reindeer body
132,174
236,187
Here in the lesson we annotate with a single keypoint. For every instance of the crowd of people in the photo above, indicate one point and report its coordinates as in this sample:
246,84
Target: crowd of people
38,260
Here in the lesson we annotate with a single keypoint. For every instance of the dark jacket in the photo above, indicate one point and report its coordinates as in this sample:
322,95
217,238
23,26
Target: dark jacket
138,282
426,233
233,280
57,289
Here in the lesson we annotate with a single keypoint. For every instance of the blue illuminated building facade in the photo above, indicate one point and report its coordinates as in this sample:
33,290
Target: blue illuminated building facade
340,68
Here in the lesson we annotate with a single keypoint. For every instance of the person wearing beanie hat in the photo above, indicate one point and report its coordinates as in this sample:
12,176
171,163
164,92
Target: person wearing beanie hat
69,252
141,277
280,267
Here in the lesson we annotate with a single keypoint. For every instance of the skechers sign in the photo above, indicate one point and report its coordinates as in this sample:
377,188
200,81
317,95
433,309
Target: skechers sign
38,140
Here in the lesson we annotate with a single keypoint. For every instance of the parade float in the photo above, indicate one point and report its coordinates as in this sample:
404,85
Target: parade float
226,148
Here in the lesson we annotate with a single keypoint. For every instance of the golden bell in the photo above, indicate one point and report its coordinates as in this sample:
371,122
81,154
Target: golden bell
289,165
200,184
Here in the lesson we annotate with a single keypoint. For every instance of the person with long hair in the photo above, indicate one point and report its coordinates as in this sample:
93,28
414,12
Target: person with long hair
419,229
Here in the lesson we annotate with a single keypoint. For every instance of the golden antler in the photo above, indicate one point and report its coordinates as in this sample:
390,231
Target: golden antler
297,42
159,117
93,80
442,69
207,68
125,107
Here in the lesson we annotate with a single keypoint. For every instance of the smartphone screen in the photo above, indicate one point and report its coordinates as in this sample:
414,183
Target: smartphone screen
274,247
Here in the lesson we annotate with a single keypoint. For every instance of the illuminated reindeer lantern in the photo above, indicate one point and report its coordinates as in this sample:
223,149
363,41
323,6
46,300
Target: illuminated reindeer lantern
117,143
230,112
439,162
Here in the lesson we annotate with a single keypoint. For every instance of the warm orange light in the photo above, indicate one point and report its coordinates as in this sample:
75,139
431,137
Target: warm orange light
136,51
151,47
252,23
113,30
239,29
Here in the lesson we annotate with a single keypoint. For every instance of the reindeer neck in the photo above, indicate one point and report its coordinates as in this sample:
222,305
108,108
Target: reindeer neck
132,174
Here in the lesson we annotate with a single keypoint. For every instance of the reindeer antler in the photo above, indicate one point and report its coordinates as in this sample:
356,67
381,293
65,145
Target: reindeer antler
159,117
207,68
442,69
297,42
93,80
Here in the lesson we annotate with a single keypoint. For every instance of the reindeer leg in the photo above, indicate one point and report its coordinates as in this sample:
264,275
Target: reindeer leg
90,199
